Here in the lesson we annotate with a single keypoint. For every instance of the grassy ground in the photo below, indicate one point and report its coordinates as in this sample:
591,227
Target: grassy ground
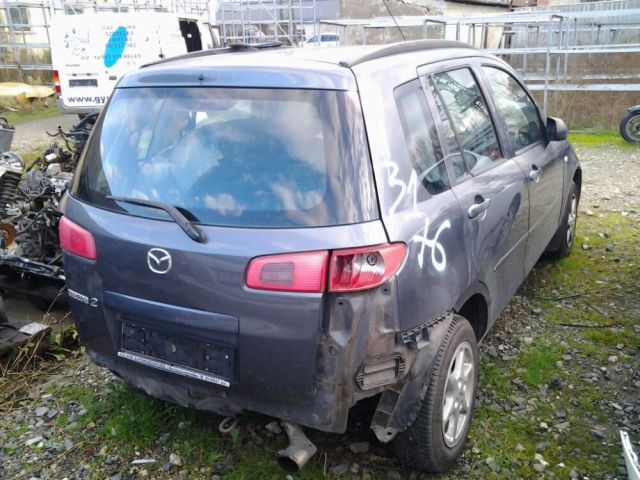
589,306
572,319
30,113
32,156
600,290
608,139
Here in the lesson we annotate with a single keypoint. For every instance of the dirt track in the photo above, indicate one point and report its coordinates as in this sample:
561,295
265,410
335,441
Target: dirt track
32,135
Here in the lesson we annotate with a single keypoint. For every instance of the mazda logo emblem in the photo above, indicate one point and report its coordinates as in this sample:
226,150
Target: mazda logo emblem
159,261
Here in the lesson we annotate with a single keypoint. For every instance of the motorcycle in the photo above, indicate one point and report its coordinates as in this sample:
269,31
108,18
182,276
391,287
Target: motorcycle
630,125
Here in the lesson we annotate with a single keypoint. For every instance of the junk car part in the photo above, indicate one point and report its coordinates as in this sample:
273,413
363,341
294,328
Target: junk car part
299,451
30,198
6,135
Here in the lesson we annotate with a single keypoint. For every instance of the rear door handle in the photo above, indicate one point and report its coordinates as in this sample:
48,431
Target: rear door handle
477,208
534,174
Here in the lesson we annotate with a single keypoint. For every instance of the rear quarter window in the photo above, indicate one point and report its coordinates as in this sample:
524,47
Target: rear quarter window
421,137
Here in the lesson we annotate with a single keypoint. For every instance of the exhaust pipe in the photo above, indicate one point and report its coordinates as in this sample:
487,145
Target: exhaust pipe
299,451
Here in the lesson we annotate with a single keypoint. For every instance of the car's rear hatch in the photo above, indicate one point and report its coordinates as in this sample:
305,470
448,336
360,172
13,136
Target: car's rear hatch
258,172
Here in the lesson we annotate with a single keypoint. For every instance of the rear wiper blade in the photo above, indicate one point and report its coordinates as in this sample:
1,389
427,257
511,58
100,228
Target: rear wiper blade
183,222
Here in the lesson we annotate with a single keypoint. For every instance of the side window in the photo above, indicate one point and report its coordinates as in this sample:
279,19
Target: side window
455,157
519,112
469,116
421,137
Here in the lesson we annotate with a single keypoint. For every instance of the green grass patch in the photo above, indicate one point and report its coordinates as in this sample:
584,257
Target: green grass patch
611,338
513,440
492,378
131,422
539,365
598,287
600,284
16,433
587,139
32,156
25,115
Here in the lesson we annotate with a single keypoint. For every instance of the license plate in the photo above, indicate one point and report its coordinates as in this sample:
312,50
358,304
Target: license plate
207,361
83,82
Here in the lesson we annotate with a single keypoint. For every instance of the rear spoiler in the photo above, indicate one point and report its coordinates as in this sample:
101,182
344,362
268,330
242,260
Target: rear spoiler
235,48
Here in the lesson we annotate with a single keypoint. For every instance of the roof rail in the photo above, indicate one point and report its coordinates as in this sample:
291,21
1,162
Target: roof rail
405,47
235,48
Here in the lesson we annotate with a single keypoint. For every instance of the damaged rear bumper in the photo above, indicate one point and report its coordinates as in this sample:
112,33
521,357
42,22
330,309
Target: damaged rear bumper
358,353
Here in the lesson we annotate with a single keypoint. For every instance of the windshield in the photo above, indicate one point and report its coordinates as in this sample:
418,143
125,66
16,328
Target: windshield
232,157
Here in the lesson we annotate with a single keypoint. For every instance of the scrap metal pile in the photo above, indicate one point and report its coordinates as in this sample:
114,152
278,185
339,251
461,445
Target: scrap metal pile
29,206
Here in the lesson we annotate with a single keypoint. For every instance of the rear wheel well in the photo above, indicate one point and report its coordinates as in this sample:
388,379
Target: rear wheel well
577,178
476,310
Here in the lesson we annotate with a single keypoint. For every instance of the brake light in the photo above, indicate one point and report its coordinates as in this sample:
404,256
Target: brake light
366,267
75,239
291,272
56,81
350,269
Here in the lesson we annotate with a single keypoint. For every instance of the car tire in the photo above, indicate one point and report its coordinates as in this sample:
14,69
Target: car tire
432,442
564,238
627,124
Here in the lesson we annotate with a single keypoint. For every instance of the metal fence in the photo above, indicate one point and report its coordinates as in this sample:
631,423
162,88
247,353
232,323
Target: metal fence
287,21
591,46
249,21
584,47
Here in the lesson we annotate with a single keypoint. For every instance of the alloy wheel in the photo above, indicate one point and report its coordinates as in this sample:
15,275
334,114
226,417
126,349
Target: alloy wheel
458,394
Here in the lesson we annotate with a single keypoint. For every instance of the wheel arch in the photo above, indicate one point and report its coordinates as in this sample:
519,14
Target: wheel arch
398,407
474,307
577,178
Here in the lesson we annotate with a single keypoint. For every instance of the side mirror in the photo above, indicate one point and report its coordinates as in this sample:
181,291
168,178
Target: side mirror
556,129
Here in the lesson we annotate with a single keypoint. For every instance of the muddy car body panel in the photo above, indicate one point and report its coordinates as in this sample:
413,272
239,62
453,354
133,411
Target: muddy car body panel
309,357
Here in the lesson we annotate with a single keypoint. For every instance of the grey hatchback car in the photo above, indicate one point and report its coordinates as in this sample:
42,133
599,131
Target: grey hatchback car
290,231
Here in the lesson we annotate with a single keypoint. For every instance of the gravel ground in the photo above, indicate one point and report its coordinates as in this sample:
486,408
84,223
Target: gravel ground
35,441
611,179
32,134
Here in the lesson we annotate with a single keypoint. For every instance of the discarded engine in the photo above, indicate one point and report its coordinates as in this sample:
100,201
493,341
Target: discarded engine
29,207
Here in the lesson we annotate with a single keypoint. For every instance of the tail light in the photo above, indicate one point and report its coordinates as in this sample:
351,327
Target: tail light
291,272
367,267
349,270
75,239
56,81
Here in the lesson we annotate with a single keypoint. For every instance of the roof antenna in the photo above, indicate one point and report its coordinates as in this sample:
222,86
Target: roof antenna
386,4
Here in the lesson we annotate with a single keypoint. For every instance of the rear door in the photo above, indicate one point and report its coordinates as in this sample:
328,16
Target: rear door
420,209
416,203
227,158
489,186
541,162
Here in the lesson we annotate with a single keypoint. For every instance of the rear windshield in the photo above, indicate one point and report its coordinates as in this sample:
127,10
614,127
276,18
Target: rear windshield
232,157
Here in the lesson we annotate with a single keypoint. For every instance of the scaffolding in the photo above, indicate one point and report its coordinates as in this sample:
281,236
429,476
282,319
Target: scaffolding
553,48
251,21
25,26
